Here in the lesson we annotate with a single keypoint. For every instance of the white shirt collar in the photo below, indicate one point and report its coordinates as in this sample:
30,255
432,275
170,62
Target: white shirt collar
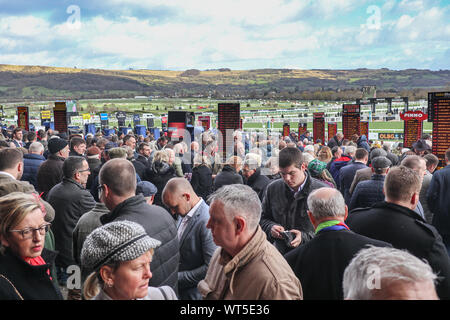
194,208
7,174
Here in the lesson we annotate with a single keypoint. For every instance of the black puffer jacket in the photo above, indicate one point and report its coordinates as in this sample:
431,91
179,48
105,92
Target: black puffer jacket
258,183
227,176
159,174
159,224
202,181
281,207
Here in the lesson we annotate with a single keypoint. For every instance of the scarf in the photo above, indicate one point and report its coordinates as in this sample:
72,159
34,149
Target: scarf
38,261
331,225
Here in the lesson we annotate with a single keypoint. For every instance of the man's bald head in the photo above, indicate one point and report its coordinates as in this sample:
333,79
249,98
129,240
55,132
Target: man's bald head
177,186
326,203
119,175
179,196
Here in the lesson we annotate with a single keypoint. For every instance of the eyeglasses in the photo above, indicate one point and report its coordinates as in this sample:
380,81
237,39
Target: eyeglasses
28,233
88,169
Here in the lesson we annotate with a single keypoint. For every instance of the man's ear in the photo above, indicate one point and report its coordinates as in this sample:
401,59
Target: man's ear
240,224
311,218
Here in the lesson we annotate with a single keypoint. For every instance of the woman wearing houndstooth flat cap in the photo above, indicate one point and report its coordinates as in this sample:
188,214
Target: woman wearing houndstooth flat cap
119,254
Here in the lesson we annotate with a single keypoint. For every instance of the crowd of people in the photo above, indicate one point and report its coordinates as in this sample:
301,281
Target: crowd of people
125,217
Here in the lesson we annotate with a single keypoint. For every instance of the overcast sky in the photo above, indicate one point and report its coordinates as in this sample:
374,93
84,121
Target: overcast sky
236,34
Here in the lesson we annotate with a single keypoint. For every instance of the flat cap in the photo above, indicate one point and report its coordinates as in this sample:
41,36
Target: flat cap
146,188
381,162
116,241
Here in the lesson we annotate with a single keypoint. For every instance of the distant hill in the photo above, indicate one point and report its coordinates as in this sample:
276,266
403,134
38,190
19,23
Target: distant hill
35,82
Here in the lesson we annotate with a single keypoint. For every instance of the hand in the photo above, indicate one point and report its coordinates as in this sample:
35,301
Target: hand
298,238
275,231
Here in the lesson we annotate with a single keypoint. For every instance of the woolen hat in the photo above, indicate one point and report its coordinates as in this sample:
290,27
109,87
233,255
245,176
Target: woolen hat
117,241
56,144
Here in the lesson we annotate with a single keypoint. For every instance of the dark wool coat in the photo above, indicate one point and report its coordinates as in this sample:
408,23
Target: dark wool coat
31,282
258,182
320,263
439,200
159,224
281,207
50,174
159,174
201,181
346,176
405,230
70,201
227,176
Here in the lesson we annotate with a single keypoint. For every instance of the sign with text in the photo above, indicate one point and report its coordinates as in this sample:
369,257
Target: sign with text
351,117
302,128
390,136
439,114
228,118
121,116
23,118
60,116
364,128
286,129
332,130
413,126
205,122
319,126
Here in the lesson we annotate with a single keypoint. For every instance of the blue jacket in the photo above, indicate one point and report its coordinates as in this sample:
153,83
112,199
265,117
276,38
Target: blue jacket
439,200
31,163
362,143
346,175
367,193
336,166
196,249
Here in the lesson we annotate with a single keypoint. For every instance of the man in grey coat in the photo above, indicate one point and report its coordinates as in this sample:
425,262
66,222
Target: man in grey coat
70,200
196,242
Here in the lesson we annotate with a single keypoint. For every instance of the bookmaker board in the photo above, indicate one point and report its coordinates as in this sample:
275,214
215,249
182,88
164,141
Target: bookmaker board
351,118
413,126
439,114
332,130
302,128
228,118
60,116
319,126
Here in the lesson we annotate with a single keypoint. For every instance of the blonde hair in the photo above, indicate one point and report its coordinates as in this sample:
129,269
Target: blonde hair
235,162
94,281
199,160
324,154
161,156
14,207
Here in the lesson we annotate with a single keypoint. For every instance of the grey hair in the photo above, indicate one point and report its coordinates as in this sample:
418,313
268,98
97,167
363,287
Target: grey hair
36,147
350,149
251,163
326,207
239,200
392,265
